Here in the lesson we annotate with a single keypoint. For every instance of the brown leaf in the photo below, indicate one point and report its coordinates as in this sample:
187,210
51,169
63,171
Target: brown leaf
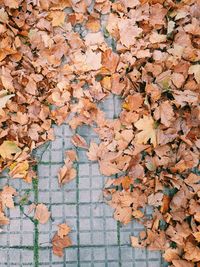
110,60
128,32
181,263
171,254
192,252
59,244
7,79
166,113
108,168
133,102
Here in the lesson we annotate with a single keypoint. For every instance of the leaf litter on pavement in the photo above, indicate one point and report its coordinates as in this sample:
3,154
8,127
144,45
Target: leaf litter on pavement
145,51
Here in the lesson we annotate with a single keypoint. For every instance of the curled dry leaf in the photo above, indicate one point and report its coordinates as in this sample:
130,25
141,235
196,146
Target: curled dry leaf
42,213
67,172
79,141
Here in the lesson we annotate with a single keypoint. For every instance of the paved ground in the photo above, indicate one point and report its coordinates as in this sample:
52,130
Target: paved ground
98,240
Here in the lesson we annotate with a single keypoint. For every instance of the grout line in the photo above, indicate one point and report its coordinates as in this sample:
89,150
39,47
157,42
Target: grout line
118,223
63,191
36,231
77,211
119,243
50,198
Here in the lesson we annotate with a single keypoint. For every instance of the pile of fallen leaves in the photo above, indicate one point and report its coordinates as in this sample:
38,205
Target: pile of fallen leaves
60,58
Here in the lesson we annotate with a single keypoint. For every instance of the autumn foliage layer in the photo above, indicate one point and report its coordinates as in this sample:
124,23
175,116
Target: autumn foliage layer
59,59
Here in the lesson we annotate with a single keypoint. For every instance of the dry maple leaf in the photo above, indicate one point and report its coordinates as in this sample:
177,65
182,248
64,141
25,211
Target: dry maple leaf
60,243
63,230
107,168
133,102
57,18
19,170
171,254
195,69
192,252
4,97
123,214
8,148
6,197
67,172
7,79
166,113
182,263
93,151
42,213
148,131
128,32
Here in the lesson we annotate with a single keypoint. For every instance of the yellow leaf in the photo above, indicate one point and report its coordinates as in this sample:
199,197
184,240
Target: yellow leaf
148,131
8,148
4,98
58,18
137,214
19,170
